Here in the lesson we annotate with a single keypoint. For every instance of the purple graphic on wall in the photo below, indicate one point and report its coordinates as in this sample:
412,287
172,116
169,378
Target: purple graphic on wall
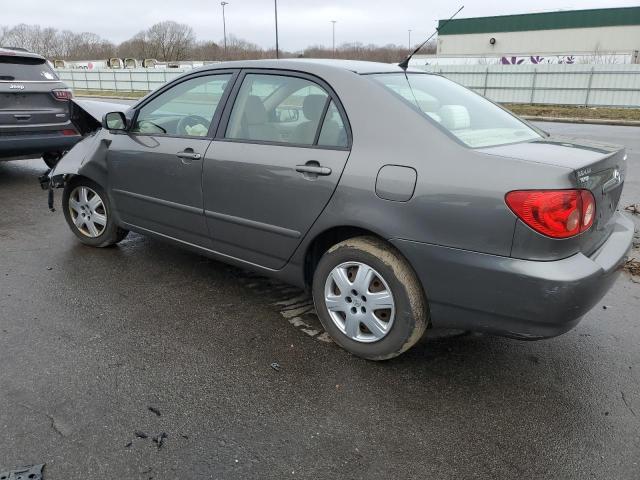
570,59
511,61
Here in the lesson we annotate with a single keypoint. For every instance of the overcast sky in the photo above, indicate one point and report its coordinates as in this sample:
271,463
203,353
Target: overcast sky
301,22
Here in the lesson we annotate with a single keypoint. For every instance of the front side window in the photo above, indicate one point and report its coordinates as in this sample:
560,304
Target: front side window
281,109
186,109
471,118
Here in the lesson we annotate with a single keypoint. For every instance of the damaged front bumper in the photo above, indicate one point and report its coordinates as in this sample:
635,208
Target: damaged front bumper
88,156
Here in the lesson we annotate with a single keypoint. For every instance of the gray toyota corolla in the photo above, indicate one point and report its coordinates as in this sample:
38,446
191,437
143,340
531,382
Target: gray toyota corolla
401,199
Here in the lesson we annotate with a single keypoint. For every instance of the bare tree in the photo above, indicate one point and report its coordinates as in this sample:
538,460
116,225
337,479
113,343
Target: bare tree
172,41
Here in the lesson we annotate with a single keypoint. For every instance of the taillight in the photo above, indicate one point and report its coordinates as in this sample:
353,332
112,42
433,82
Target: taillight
68,132
554,213
62,94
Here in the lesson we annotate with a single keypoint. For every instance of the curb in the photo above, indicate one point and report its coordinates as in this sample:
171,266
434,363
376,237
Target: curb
594,121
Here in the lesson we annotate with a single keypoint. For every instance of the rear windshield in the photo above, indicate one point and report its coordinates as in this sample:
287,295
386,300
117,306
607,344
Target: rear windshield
471,118
22,69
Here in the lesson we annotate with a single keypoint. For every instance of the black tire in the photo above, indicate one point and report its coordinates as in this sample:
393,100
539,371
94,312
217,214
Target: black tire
111,233
51,159
410,304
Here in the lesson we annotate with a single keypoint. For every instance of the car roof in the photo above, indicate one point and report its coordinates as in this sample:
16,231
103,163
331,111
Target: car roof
314,65
18,52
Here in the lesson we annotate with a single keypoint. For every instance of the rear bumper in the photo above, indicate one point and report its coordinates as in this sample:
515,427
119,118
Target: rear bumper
35,144
513,297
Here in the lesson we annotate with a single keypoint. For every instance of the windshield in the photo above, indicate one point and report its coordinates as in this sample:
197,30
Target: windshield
16,68
471,118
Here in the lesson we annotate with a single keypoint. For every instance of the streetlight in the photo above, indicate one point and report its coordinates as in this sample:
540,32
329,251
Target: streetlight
409,39
334,37
275,3
224,27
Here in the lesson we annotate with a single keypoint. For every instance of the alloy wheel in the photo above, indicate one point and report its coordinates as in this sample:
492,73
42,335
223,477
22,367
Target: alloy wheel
359,302
88,212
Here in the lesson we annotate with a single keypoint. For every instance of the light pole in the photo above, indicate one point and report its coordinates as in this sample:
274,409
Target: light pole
224,27
275,3
409,39
334,37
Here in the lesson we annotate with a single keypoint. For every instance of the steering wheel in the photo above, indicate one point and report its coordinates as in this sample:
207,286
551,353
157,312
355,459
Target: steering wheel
190,121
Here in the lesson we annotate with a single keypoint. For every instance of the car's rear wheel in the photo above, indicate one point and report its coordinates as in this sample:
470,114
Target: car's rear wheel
89,215
369,299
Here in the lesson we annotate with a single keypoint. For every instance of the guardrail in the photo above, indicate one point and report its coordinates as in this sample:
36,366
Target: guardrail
586,85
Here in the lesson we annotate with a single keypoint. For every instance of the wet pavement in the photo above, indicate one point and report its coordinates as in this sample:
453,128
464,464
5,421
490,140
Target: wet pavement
100,348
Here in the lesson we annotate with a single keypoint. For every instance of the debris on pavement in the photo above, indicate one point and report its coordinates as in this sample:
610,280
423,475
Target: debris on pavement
154,410
159,439
32,472
275,366
633,208
49,268
140,434
632,266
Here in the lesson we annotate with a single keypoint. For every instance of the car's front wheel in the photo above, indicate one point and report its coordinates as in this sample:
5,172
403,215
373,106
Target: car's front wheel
369,298
89,214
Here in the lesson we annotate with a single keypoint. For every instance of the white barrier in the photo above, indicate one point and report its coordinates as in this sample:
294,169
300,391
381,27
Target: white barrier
587,85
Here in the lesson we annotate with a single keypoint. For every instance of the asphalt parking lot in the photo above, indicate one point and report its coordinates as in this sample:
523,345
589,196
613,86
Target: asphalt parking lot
100,347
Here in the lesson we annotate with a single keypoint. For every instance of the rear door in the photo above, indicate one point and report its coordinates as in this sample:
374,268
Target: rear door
274,165
27,100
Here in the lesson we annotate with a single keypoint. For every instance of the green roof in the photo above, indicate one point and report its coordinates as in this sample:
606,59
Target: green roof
602,17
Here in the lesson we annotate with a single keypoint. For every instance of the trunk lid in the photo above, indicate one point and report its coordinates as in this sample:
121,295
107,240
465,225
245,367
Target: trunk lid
600,168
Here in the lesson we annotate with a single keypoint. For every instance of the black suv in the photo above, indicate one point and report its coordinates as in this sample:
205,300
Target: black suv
35,109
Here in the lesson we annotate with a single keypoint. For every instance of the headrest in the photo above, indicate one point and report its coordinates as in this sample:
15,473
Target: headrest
313,106
254,112
454,117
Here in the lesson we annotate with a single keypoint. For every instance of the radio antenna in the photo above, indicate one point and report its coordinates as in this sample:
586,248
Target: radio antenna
405,63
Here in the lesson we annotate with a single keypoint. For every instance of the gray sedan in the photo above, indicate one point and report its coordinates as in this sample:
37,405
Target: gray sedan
402,200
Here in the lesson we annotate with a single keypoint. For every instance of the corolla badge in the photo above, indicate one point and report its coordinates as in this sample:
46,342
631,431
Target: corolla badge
16,86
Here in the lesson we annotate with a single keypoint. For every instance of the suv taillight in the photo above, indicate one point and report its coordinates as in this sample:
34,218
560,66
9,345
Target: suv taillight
62,94
554,213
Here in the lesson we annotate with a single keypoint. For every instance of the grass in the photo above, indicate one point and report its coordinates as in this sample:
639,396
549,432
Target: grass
572,111
556,111
108,93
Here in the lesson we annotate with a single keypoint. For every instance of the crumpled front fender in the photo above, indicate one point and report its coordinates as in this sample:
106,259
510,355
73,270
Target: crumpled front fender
87,158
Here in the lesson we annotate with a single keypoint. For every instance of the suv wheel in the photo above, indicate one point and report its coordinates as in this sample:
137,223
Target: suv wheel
51,159
89,214
369,298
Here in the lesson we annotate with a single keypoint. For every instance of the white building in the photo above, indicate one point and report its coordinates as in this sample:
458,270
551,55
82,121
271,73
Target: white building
607,35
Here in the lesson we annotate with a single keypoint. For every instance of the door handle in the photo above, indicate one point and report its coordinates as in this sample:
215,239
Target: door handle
189,154
313,168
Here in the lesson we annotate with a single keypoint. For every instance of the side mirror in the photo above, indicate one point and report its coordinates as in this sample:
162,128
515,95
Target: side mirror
114,121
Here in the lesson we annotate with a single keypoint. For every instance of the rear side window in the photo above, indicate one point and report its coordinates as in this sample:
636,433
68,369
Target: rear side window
333,133
25,69
469,117
285,109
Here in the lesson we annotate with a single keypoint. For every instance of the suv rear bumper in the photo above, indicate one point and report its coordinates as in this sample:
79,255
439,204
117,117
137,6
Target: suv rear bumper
35,143
513,297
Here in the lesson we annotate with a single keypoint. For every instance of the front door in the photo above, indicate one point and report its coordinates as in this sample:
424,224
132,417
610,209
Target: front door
273,167
155,168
